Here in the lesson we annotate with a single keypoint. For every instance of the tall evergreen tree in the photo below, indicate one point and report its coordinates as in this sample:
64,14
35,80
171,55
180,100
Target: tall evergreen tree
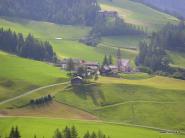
70,65
57,134
105,60
110,60
87,135
67,132
74,133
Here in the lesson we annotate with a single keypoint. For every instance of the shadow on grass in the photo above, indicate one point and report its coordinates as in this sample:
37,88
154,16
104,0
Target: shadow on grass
92,90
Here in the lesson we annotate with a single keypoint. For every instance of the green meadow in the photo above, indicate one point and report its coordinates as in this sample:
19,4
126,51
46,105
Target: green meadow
177,58
134,99
130,103
45,127
138,14
128,42
140,99
19,75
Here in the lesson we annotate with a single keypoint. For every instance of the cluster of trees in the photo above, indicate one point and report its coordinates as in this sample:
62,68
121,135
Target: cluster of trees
28,47
73,133
91,40
70,64
59,11
171,37
42,100
14,133
108,26
108,60
153,54
68,132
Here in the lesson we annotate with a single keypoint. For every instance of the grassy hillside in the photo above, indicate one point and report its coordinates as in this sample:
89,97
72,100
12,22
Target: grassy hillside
46,127
138,14
131,103
53,109
171,6
120,100
129,42
18,75
177,58
69,46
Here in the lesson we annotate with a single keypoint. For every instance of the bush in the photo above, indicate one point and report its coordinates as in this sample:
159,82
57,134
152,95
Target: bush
145,69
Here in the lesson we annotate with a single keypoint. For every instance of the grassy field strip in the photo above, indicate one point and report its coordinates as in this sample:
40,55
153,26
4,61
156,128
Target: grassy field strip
98,121
32,91
53,109
123,49
155,82
122,103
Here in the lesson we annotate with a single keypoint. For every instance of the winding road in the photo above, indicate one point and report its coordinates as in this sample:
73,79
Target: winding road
31,91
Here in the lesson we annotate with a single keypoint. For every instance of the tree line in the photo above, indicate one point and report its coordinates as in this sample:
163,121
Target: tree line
68,132
153,54
110,26
28,47
58,11
41,101
108,60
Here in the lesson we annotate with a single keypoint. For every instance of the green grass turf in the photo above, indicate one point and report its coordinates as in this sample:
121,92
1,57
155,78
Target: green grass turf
138,14
18,75
110,99
130,42
177,58
94,98
67,47
135,76
24,101
45,127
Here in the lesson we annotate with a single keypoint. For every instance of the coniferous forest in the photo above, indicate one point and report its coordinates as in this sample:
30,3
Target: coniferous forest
153,54
58,11
28,47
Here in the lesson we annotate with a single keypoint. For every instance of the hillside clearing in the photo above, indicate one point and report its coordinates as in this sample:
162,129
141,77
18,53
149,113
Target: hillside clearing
138,14
19,75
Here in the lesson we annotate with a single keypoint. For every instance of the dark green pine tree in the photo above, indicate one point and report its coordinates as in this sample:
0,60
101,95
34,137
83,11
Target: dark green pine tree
110,60
74,133
93,135
87,135
57,134
67,132
70,65
105,60
17,133
119,53
12,132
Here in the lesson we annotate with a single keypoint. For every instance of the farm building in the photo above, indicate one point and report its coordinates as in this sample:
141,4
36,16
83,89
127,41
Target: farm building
123,65
108,13
77,80
91,65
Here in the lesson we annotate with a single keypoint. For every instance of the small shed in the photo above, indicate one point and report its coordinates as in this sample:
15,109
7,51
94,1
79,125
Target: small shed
77,80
